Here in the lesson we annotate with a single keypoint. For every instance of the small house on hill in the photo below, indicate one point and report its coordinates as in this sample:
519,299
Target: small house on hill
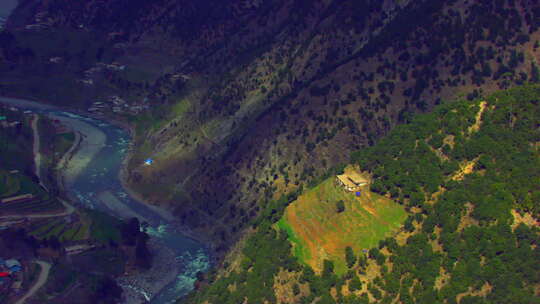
12,263
351,180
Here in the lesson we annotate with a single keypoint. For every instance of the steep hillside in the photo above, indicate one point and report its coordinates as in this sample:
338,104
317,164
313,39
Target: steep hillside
328,84
468,174
247,100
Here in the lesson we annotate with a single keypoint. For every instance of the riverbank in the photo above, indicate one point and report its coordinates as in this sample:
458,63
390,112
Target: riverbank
63,163
186,231
91,142
36,149
141,287
84,158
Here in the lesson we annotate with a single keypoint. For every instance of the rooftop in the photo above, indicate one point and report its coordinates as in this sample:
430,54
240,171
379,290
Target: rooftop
351,178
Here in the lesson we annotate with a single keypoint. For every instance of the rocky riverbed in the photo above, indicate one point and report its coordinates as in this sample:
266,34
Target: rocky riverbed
141,287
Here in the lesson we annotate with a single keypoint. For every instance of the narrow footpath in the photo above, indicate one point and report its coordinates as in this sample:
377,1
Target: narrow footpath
42,279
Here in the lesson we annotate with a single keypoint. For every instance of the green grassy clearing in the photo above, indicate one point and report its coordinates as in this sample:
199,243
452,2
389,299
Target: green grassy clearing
319,232
300,250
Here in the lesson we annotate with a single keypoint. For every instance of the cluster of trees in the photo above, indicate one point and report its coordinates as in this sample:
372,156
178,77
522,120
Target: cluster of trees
133,236
506,174
329,111
15,142
415,160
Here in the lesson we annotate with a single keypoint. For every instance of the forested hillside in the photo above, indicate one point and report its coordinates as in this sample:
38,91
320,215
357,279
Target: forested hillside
468,174
313,87
239,102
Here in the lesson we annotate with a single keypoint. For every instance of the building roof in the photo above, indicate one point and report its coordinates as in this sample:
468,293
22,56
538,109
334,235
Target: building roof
352,179
12,262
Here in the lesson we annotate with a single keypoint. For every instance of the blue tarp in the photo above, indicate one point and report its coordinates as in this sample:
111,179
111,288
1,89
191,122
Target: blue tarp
15,269
358,193
148,161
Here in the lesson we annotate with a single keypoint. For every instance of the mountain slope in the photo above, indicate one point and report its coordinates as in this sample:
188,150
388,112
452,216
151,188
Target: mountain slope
318,91
468,174
252,99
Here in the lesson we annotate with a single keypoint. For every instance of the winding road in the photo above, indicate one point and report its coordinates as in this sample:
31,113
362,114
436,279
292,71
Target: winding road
42,279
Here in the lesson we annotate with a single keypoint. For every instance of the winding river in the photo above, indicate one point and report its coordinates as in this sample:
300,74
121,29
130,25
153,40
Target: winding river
91,178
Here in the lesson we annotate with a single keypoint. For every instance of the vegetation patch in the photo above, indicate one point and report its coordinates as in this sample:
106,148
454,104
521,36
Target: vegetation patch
104,227
475,242
320,231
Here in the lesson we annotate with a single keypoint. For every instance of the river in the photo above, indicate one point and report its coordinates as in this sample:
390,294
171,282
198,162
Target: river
92,179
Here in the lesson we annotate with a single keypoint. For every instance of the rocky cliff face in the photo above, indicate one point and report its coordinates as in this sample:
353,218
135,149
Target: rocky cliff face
255,98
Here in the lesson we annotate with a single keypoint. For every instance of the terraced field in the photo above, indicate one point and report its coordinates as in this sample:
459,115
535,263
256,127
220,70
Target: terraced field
318,231
34,206
60,229
17,184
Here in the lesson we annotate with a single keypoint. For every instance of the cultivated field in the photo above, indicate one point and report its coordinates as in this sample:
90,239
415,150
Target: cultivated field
59,228
18,184
319,232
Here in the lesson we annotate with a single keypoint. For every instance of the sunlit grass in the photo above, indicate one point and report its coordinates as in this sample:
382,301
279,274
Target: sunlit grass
319,232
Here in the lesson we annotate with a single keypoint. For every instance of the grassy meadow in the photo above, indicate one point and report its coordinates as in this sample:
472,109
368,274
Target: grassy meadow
318,231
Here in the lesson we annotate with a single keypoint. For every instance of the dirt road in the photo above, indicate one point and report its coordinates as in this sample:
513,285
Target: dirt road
42,279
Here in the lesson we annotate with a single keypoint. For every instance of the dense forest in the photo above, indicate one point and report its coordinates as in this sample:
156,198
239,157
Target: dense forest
469,175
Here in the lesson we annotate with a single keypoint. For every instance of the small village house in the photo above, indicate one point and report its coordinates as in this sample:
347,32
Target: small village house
351,180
